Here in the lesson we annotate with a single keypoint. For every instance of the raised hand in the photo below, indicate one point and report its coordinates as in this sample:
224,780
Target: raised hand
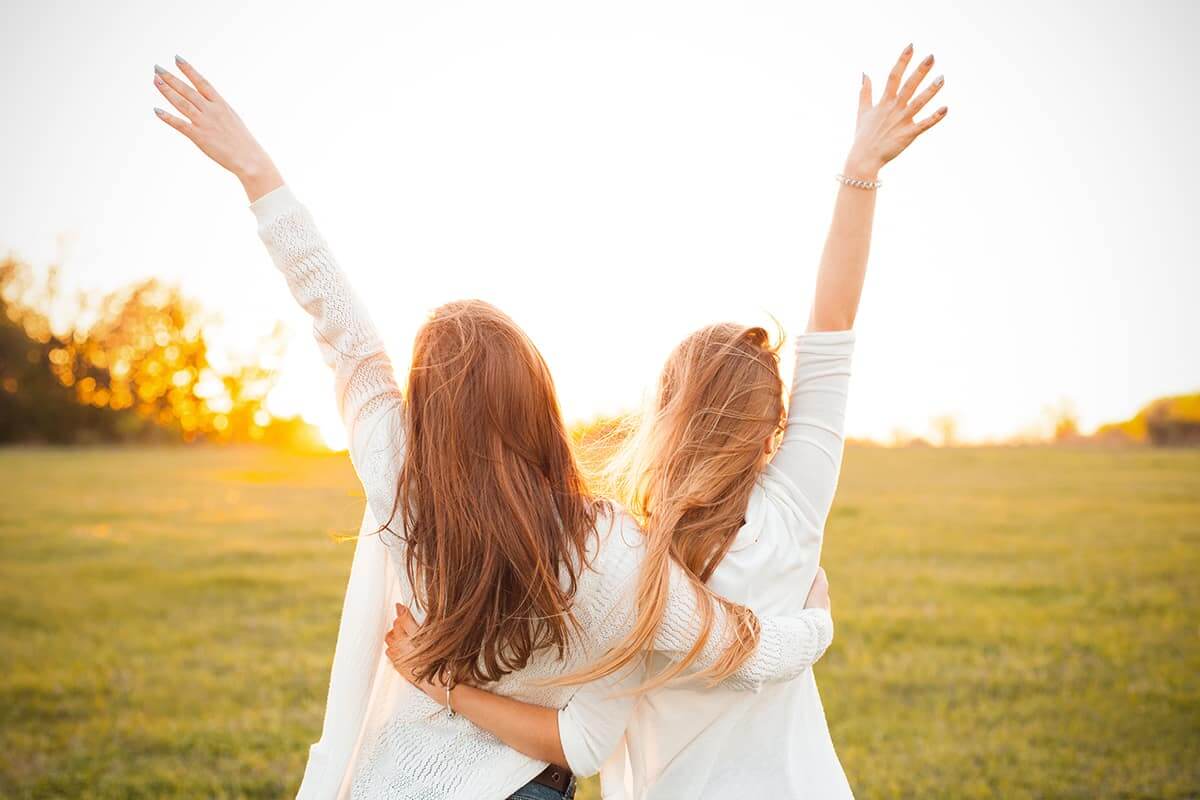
214,127
886,128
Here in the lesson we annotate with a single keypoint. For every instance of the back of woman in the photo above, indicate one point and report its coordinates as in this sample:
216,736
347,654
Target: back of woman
407,729
695,741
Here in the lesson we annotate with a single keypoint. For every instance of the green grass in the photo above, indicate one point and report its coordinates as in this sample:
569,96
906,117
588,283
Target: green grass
1011,623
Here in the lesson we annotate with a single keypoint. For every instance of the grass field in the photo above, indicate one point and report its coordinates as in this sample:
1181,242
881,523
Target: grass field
1011,622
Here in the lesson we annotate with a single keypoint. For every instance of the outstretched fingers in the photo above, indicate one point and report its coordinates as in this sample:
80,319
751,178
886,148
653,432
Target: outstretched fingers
181,125
864,94
893,81
181,103
181,86
931,120
203,86
925,96
910,86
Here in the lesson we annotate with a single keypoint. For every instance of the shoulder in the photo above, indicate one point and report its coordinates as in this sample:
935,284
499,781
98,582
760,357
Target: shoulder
777,505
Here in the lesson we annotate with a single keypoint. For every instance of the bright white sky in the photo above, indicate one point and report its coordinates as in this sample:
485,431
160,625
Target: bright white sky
616,174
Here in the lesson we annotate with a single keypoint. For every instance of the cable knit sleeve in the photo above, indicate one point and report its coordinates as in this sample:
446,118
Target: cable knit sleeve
368,397
787,645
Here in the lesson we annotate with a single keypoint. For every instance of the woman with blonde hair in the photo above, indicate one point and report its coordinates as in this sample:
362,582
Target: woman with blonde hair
478,518
727,483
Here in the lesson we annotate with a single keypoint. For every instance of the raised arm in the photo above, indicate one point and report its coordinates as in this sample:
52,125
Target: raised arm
883,131
367,394
810,456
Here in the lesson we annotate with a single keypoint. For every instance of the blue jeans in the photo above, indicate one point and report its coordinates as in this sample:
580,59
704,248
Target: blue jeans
535,791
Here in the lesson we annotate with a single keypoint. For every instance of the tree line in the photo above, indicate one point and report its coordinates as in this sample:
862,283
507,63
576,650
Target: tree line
134,364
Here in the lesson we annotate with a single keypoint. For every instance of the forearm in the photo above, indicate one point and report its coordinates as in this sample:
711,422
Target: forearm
883,130
787,647
844,260
526,728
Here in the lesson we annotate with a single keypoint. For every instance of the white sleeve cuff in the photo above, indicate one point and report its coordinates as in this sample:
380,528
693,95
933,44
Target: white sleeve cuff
823,622
273,204
826,341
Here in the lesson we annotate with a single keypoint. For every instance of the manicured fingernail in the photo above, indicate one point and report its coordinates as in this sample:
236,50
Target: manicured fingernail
159,111
929,61
864,79
939,80
943,110
179,60
159,70
908,49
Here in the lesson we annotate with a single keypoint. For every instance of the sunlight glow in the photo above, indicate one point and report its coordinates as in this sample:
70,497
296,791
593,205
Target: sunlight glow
616,175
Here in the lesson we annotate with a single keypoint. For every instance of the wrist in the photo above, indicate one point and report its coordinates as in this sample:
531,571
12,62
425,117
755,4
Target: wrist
258,176
862,166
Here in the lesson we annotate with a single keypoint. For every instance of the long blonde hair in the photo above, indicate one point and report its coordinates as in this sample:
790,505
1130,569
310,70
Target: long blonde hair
686,474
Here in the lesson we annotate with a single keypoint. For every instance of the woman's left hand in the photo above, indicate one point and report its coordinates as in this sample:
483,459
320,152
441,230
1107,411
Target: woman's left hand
399,646
215,128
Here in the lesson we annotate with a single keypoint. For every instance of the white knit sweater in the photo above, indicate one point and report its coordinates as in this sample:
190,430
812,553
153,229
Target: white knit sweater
383,737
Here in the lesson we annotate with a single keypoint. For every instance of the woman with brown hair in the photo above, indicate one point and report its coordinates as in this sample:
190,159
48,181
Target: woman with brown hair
728,484
479,520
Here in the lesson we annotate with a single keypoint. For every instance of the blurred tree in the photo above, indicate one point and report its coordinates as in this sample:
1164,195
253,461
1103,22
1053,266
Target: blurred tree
134,365
1172,421
1063,421
34,406
945,429
1165,422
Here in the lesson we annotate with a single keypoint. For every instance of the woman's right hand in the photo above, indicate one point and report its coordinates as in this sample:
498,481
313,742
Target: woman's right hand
398,642
818,595
886,128
215,128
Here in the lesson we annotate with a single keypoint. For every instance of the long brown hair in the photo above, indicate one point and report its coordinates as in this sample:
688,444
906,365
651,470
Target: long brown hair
496,512
686,475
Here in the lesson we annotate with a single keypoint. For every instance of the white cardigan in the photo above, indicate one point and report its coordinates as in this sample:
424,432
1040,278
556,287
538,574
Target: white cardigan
712,744
382,737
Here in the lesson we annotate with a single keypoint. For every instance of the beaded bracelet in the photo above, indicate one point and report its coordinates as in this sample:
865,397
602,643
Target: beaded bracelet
859,183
